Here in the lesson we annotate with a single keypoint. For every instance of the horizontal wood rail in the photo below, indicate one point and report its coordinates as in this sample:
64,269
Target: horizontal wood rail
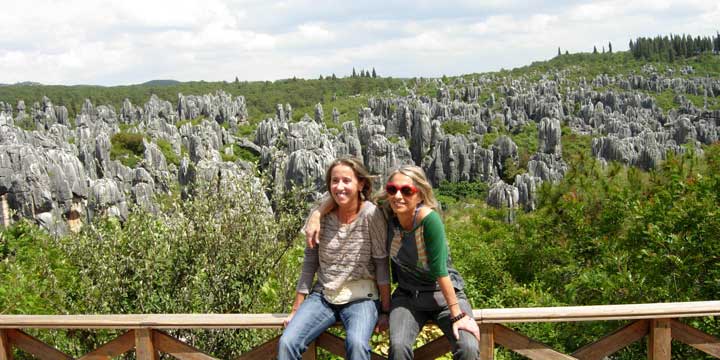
658,322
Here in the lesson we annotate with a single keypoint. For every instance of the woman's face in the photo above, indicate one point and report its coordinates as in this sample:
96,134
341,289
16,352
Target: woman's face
399,202
344,186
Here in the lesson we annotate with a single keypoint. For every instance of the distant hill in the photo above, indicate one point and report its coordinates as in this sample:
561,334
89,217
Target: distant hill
24,83
161,82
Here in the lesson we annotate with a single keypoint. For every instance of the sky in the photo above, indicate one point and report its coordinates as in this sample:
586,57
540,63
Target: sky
111,42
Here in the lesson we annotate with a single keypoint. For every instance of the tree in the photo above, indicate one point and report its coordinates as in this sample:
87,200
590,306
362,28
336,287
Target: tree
609,47
595,50
321,77
237,80
362,73
558,51
354,73
374,74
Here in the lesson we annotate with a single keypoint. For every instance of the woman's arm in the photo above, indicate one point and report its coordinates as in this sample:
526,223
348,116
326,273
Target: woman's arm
312,225
299,298
466,323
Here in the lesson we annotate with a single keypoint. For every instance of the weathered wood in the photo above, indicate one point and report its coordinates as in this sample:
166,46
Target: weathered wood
6,352
336,345
31,345
311,352
613,342
275,321
180,350
113,348
525,346
144,347
268,350
598,312
695,338
659,342
487,341
433,349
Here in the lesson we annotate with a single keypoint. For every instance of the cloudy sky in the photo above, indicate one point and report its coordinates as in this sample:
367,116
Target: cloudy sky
111,42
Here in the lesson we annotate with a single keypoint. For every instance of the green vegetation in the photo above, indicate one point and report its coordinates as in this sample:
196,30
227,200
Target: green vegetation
166,148
453,127
669,48
127,147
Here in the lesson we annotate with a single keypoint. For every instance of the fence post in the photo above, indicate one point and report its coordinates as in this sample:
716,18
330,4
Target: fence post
144,347
487,342
6,352
659,341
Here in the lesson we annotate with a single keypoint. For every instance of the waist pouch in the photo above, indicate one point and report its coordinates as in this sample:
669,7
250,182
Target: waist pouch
426,300
351,291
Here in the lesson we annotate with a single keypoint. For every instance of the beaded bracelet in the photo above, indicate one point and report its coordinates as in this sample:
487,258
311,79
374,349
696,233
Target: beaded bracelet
457,318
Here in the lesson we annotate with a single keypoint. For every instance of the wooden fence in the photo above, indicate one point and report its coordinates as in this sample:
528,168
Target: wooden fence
145,335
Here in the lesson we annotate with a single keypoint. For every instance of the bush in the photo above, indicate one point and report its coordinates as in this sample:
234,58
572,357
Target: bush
127,147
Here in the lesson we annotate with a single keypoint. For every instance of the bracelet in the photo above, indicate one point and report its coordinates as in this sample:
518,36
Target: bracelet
457,318
453,304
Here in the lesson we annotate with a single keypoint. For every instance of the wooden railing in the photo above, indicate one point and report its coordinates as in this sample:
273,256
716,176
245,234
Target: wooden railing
146,337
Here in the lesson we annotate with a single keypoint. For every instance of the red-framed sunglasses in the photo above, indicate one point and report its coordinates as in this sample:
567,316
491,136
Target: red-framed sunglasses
406,190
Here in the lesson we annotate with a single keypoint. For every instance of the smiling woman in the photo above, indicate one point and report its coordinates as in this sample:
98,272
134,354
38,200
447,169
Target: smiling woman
351,265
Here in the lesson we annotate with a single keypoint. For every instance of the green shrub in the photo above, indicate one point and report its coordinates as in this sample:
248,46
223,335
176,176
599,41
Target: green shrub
452,127
166,148
127,147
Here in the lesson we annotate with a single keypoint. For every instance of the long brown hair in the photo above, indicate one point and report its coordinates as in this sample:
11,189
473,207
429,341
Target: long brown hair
361,173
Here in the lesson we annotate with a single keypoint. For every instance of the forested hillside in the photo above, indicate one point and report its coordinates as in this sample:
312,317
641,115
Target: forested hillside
585,179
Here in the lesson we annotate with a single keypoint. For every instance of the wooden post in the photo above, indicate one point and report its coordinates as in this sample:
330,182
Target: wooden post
144,347
659,342
6,352
311,352
487,342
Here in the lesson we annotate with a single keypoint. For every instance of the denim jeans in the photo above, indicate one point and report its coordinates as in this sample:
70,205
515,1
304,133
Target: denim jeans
316,315
406,320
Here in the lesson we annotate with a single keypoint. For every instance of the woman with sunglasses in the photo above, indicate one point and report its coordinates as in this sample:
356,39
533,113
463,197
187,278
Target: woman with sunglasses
429,288
351,264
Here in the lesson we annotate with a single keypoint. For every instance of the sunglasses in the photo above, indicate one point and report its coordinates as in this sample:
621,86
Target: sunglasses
406,190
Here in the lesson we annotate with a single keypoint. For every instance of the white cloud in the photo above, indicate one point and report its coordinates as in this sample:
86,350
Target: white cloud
120,42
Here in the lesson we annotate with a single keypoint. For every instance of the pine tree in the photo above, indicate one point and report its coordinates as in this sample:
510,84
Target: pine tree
558,51
354,73
609,47
362,73
595,50
374,74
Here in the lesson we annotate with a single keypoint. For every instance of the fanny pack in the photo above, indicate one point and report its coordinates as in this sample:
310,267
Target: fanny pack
351,291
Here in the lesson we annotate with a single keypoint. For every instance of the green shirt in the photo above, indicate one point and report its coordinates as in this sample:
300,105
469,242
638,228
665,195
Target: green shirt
421,255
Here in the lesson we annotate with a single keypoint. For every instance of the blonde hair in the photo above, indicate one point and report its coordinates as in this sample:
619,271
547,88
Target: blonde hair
417,175
361,173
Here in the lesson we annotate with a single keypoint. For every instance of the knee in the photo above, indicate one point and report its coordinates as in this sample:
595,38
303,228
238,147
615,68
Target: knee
289,344
467,348
357,342
400,349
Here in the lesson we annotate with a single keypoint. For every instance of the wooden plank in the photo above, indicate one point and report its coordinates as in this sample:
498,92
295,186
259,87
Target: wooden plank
598,312
6,352
659,342
336,345
144,347
487,341
613,342
695,338
180,350
113,348
525,346
275,321
433,349
33,346
268,350
333,344
311,352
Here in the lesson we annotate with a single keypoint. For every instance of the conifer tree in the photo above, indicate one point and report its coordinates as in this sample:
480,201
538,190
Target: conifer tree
558,51
354,73
609,47
595,49
374,74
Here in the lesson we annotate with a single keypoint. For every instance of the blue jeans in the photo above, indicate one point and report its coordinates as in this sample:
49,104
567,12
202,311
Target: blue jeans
407,319
316,315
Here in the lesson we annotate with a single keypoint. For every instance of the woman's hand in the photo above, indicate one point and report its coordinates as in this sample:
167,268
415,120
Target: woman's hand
288,319
312,229
383,323
467,324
